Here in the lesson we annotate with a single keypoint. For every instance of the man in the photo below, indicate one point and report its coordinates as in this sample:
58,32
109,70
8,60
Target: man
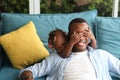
84,63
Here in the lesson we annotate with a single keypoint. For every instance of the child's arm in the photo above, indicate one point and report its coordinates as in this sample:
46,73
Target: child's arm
65,52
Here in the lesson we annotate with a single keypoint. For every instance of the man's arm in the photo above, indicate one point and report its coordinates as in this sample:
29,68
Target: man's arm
39,69
26,75
93,43
91,36
114,64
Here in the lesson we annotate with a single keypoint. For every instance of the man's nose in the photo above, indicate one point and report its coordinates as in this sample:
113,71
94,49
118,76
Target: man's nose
82,39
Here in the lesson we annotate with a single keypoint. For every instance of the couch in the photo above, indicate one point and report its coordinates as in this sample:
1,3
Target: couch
105,29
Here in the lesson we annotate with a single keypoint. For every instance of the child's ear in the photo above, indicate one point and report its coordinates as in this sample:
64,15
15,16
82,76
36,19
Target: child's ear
50,44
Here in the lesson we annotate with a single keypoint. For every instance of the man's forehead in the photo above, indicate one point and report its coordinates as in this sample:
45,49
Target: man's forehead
79,26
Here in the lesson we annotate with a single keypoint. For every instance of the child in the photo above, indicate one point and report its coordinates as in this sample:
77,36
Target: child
58,41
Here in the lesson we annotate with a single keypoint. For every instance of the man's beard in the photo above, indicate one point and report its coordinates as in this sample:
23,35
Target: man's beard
76,47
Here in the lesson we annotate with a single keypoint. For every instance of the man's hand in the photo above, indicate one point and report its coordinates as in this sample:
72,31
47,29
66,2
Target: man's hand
89,35
26,75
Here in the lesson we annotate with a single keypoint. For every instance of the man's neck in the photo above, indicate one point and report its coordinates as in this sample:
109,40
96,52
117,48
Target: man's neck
79,50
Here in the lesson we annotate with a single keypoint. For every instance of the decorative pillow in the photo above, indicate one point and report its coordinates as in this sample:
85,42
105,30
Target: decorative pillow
108,34
23,46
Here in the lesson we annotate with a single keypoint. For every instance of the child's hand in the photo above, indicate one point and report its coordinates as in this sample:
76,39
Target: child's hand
26,75
75,37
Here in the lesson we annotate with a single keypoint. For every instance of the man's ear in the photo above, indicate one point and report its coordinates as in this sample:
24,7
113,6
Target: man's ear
50,44
89,29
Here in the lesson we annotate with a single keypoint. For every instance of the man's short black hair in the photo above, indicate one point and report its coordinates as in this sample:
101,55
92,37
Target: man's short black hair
77,20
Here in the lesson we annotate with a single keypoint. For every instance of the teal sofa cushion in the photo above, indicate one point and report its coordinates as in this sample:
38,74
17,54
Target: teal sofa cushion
9,73
108,34
45,22
108,37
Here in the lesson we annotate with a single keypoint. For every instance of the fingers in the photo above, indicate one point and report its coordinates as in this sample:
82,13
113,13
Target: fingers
78,34
88,33
75,37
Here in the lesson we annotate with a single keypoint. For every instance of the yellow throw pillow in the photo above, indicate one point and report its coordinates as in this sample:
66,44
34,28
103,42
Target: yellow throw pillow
23,46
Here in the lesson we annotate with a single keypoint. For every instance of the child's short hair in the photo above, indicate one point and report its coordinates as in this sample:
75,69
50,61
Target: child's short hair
52,34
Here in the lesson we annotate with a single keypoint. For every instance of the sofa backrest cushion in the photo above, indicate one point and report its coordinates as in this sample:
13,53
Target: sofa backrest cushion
108,34
45,23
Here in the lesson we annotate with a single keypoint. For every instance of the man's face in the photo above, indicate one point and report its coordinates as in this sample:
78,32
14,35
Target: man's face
79,28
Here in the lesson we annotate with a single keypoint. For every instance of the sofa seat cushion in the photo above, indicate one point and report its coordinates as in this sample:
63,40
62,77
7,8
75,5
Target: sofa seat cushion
23,46
9,73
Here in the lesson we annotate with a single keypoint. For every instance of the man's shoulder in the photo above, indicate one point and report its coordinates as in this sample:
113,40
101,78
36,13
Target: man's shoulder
101,52
98,51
